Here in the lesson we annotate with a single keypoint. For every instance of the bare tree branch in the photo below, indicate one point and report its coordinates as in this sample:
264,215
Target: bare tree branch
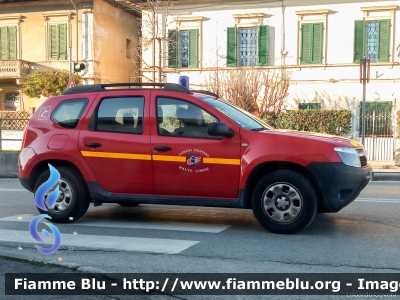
253,89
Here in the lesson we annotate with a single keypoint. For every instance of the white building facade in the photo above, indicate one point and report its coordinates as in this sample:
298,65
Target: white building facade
319,42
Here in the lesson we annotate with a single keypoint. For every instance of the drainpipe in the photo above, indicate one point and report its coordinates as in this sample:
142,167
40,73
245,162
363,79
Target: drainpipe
154,44
76,18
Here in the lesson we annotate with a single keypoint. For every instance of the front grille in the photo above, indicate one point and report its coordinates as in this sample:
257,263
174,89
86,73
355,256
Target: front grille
363,158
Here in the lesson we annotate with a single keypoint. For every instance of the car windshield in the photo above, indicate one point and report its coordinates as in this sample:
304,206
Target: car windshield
241,117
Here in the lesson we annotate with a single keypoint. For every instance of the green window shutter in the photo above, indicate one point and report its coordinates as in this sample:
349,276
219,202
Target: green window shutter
263,45
384,105
317,38
311,43
12,41
314,106
384,40
231,47
193,48
303,106
359,40
172,48
62,39
309,105
305,48
3,43
53,38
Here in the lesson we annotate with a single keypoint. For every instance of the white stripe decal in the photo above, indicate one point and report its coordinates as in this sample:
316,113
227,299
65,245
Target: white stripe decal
133,225
153,245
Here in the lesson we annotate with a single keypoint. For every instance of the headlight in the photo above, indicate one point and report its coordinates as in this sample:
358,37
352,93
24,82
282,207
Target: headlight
349,156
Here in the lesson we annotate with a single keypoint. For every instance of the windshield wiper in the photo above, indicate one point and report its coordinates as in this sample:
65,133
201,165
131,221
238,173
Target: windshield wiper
258,129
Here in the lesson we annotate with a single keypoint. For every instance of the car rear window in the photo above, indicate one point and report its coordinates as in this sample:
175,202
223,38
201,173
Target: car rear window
69,112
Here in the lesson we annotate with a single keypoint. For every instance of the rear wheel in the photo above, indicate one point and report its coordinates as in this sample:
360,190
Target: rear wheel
284,202
74,198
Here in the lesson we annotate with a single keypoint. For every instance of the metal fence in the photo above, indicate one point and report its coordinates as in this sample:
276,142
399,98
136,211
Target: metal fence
379,134
12,121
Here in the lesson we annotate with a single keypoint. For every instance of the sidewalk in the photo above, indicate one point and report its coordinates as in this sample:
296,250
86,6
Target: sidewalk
385,170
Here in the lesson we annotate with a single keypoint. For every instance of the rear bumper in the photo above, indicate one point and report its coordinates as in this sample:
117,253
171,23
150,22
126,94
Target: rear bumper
25,183
339,184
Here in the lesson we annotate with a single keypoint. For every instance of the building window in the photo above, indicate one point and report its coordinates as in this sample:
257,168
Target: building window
247,46
309,105
8,42
183,48
311,43
11,101
58,41
372,39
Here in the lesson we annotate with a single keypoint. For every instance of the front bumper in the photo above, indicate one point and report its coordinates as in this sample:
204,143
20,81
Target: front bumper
339,184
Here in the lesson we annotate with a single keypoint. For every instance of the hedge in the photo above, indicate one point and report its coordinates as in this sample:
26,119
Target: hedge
337,122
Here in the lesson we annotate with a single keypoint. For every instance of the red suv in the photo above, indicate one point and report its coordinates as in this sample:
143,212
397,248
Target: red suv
165,144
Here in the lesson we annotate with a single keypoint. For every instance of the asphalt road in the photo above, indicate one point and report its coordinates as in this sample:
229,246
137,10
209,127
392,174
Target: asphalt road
362,238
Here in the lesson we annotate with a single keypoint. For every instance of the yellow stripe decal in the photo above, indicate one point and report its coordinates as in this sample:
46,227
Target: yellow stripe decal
206,160
221,161
169,158
116,155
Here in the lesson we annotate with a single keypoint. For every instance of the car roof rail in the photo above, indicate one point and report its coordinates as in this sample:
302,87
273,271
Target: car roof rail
172,87
205,92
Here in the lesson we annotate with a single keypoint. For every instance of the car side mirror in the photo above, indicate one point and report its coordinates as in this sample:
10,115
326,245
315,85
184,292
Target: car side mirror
220,129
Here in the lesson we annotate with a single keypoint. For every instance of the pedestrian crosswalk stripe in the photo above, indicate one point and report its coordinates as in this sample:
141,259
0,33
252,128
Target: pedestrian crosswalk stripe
13,190
133,225
151,245
377,200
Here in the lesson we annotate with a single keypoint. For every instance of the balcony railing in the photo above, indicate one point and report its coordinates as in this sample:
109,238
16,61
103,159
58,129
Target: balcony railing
16,68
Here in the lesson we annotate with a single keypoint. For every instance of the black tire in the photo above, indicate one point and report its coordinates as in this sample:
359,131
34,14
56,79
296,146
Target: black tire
78,202
287,196
128,204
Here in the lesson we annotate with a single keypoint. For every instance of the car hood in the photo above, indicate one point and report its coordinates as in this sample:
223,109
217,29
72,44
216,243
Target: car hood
334,139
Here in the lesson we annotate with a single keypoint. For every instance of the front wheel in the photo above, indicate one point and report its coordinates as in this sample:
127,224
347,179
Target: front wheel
74,198
284,202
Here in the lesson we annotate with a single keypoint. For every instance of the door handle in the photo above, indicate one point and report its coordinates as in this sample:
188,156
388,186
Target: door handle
162,148
93,144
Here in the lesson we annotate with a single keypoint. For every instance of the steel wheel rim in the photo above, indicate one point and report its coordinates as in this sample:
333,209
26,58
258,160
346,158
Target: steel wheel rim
282,202
65,197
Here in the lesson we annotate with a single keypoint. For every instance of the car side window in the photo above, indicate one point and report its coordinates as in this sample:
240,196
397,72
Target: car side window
120,114
181,118
68,113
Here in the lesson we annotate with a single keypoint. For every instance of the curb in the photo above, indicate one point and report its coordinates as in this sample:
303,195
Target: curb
386,176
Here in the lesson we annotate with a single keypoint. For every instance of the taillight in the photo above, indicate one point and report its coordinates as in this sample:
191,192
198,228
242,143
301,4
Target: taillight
24,138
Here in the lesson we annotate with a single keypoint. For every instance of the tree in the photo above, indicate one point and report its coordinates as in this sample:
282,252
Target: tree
155,20
253,89
48,83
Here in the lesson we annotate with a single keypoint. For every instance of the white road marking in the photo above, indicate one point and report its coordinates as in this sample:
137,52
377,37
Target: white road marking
153,245
374,200
13,190
134,225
